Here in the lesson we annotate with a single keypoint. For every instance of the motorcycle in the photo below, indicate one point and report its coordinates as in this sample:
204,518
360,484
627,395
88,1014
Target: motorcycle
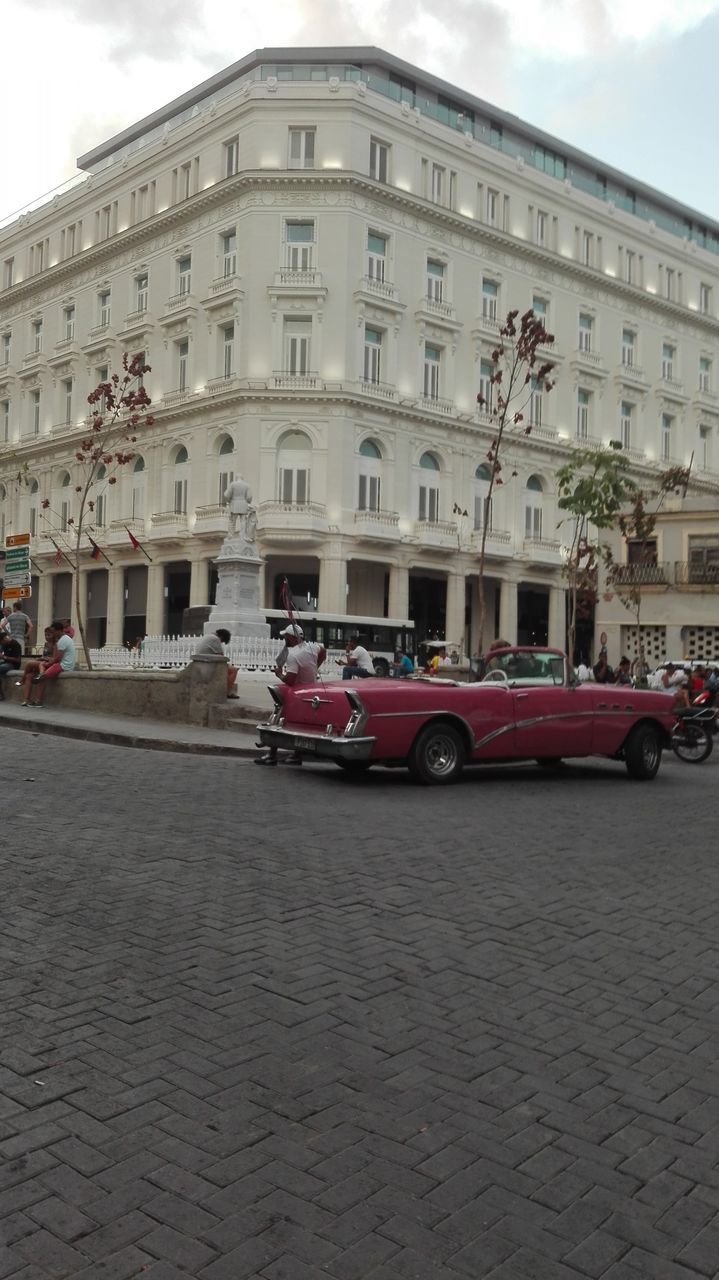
692,733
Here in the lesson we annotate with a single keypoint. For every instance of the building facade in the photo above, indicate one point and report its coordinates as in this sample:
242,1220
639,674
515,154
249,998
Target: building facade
315,250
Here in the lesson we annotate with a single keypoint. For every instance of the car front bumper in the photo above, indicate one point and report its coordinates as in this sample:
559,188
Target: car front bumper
319,745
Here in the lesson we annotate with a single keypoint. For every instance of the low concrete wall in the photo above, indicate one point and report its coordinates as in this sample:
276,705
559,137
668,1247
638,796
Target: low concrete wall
182,697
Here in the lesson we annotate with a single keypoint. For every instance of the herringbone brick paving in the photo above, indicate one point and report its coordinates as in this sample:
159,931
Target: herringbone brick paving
299,1028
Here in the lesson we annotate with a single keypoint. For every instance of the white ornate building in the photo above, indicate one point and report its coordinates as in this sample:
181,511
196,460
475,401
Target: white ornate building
315,249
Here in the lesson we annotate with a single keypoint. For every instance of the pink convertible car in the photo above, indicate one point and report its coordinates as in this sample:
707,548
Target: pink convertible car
528,706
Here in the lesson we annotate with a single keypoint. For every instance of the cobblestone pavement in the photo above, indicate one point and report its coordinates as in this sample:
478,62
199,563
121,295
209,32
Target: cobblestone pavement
290,1025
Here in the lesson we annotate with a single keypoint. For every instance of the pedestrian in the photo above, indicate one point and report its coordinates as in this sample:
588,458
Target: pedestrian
214,645
603,673
11,651
304,658
359,664
624,674
403,665
5,621
19,624
62,659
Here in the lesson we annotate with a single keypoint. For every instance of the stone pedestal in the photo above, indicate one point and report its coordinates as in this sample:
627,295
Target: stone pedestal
237,602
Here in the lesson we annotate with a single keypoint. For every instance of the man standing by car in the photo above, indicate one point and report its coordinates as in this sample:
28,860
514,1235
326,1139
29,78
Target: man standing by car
304,658
359,664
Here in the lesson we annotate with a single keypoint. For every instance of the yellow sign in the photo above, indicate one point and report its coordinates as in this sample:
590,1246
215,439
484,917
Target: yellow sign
17,593
17,540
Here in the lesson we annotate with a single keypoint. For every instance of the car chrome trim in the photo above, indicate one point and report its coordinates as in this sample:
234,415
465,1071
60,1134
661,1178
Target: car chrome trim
316,744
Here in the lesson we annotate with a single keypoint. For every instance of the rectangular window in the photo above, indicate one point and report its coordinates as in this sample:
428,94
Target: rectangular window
378,160
228,249
5,420
6,348
584,399
542,226
587,249
68,323
142,286
629,338
103,307
294,486
705,299
66,393
35,413
435,280
184,274
376,257
669,283
626,411
138,502
71,241
486,386
439,183
37,335
180,503
630,271
705,451
540,307
532,520
228,350
225,479
586,325
432,367
184,181
183,355
490,299
142,202
668,361
100,512
298,339
372,367
369,493
492,218
64,515
106,221
37,257
535,404
428,503
231,156
300,237
302,149
705,373
667,433
8,273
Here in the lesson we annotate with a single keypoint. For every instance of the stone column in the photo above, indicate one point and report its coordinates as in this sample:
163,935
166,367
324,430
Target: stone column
44,605
333,581
558,618
454,610
199,582
115,604
155,607
398,591
507,612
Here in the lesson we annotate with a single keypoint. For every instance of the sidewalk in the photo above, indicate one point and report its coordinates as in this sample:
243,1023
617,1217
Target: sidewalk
129,731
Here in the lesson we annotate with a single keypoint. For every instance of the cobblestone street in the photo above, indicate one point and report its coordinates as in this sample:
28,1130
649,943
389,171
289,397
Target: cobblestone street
284,1024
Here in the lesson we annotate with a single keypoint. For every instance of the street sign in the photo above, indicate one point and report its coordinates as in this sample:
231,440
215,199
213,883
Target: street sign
17,559
17,540
17,593
17,579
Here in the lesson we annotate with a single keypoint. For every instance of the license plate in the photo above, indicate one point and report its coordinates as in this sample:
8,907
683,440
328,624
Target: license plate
305,744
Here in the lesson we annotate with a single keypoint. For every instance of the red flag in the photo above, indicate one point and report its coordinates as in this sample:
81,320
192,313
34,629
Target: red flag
96,552
133,539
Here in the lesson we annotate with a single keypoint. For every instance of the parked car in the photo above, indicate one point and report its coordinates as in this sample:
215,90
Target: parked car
529,705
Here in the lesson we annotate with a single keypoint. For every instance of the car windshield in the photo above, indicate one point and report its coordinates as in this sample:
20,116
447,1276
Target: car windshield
525,666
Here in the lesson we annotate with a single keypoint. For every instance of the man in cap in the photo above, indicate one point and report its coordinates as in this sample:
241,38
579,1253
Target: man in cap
304,657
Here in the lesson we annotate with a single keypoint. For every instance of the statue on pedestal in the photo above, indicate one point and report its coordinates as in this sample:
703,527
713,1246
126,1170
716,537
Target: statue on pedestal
238,497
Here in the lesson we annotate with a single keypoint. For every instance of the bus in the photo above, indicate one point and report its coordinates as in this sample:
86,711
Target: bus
382,637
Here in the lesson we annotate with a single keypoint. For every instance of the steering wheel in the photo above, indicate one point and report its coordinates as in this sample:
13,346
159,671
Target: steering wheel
496,676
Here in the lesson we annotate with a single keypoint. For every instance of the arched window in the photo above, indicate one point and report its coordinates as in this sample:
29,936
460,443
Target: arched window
137,495
533,506
180,481
100,498
226,474
294,460
369,497
482,501
34,507
428,497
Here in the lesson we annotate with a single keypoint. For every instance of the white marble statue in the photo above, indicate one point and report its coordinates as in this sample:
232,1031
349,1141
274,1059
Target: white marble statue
238,497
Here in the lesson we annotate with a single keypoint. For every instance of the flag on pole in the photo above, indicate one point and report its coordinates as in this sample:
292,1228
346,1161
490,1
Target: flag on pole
286,602
137,545
58,554
95,551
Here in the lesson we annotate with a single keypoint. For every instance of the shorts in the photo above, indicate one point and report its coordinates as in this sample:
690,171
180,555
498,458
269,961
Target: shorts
51,671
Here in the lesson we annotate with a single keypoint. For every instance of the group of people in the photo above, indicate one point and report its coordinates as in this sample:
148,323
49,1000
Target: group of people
58,654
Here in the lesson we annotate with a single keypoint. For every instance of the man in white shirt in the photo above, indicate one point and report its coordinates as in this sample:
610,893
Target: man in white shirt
304,657
359,664
214,646
38,673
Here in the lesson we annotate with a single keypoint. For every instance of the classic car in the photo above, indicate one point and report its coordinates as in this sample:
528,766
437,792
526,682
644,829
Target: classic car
528,706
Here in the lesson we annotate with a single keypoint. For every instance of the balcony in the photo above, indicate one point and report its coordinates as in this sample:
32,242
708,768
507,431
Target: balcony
178,396
588,363
289,284
441,314
499,542
689,574
640,575
99,340
379,288
32,363
379,390
377,526
169,524
672,389
631,373
181,306
433,404
295,523
211,519
379,294
217,385
136,324
117,530
542,550
489,324
222,292
440,534
297,382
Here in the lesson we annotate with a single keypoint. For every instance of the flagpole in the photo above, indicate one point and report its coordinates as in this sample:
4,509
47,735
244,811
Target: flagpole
137,544
62,553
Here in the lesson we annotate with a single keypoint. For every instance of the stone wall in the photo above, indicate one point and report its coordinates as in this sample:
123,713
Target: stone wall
182,697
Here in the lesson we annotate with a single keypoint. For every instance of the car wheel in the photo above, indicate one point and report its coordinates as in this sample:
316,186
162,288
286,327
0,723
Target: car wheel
549,762
381,667
643,752
355,766
437,755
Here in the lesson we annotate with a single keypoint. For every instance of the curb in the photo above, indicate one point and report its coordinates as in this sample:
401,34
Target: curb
116,739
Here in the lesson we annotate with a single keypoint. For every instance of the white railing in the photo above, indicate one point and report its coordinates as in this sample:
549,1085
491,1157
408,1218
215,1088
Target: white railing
249,654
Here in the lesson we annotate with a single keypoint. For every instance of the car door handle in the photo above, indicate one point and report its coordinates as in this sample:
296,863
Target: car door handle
522,695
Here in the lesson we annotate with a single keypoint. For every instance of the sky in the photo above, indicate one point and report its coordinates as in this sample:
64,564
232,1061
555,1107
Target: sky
629,81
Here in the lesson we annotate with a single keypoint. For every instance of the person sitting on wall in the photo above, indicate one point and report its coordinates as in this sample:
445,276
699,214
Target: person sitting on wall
11,651
214,645
38,673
